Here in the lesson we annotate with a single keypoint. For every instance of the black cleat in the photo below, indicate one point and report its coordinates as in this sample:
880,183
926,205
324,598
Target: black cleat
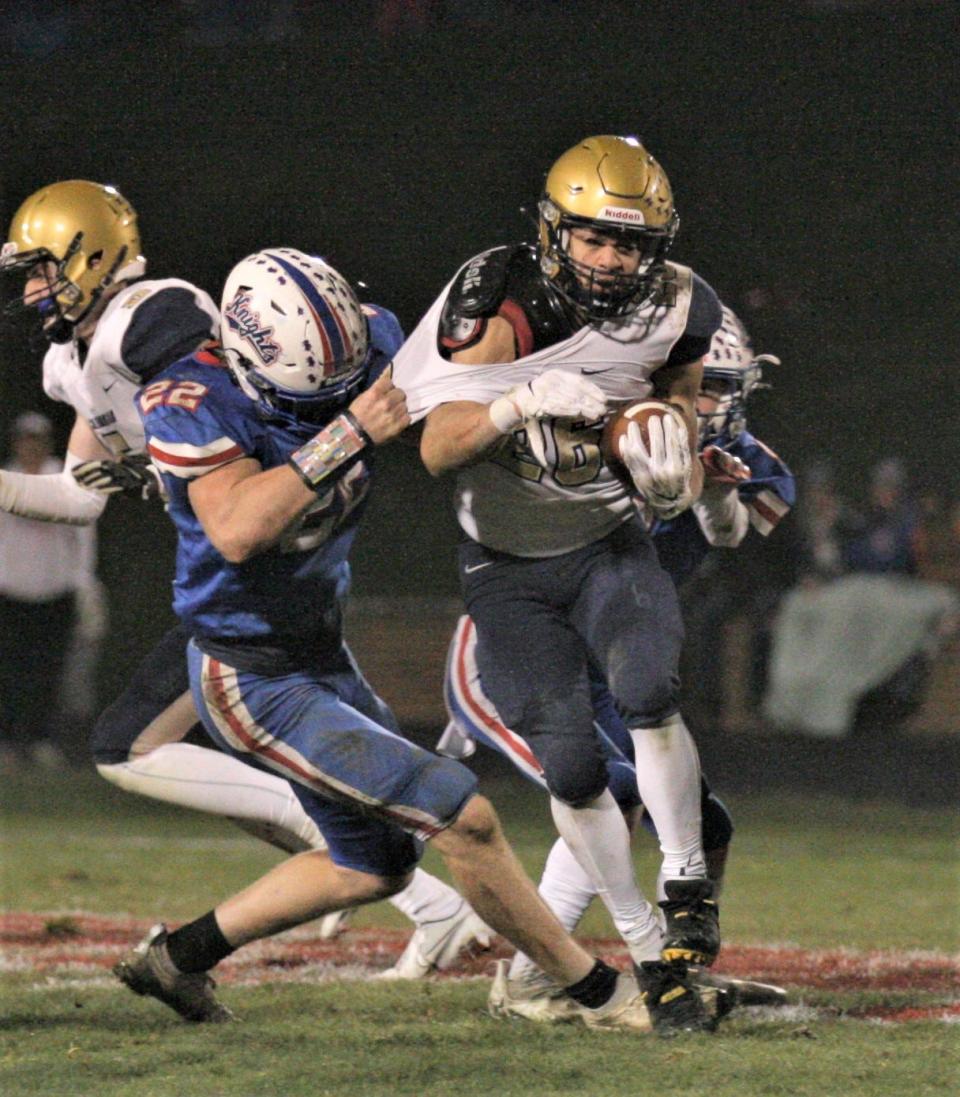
675,1005
693,922
148,969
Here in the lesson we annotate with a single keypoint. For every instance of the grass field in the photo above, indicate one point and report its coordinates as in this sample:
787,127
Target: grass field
852,906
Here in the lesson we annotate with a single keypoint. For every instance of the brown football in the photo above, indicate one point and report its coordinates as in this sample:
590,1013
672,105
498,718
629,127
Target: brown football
639,412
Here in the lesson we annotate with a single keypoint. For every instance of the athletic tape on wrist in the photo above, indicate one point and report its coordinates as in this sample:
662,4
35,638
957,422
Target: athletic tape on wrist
328,450
504,414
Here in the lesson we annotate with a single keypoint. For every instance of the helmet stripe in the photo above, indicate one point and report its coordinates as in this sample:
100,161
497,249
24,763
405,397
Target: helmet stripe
336,340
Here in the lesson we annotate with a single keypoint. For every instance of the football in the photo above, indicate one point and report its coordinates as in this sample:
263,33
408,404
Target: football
639,412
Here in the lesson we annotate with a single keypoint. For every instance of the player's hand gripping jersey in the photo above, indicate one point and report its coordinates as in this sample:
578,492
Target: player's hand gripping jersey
508,502
285,603
147,326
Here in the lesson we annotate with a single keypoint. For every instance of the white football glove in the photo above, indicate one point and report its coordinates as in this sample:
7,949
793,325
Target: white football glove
662,473
554,394
134,475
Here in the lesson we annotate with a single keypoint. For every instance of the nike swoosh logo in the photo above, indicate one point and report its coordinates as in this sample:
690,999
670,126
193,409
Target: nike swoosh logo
107,388
476,567
587,372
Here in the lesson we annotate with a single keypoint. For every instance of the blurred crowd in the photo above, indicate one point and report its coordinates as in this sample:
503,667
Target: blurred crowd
53,619
835,624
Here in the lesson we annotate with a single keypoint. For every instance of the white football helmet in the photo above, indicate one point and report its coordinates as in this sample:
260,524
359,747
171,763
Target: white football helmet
294,333
736,371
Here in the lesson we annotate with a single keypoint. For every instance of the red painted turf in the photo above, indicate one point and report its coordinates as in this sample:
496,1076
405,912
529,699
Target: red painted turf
60,944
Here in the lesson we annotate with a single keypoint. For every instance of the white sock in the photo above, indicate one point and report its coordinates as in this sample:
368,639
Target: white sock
567,890
668,779
208,780
599,839
427,899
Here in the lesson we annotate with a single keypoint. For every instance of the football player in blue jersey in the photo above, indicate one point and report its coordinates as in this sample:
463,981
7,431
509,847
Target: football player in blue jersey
267,452
76,246
745,485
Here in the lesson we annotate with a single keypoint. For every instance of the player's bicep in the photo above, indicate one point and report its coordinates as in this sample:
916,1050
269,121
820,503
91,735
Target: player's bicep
496,344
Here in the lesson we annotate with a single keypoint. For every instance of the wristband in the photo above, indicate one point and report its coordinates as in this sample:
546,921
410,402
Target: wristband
329,450
504,414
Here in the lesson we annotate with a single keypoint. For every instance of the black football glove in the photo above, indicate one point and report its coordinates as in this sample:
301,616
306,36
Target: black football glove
134,475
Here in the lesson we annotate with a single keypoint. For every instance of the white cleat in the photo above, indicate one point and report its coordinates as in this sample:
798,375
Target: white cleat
624,1010
533,996
334,923
436,945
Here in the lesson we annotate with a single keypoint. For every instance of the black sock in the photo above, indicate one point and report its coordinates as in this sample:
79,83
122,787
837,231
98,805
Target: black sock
198,945
596,987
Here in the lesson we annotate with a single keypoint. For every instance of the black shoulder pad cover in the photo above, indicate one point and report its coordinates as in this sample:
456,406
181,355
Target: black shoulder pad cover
479,287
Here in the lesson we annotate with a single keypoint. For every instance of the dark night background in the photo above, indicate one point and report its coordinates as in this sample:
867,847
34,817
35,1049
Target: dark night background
812,147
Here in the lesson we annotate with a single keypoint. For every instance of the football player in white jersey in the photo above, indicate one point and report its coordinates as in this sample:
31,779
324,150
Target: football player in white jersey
110,330
512,371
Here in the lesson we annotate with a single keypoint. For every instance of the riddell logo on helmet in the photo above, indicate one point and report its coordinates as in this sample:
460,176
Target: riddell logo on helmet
247,324
618,213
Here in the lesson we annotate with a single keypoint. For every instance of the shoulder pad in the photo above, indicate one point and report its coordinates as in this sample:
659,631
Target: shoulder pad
479,287
165,325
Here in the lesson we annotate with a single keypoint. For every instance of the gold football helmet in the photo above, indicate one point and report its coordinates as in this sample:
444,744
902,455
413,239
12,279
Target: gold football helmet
614,187
88,232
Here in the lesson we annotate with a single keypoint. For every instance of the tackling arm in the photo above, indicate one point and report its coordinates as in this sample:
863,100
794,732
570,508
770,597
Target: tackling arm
245,510
56,497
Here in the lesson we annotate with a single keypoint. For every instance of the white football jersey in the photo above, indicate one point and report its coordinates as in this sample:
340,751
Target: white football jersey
509,502
101,387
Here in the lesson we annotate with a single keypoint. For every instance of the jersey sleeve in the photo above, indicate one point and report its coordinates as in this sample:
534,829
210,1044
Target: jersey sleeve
771,492
194,423
703,318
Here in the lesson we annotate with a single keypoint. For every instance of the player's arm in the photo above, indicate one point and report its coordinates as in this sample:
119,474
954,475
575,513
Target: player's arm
245,510
679,385
56,497
721,514
463,432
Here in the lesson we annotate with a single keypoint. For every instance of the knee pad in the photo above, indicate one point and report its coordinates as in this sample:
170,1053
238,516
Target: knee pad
561,734
574,775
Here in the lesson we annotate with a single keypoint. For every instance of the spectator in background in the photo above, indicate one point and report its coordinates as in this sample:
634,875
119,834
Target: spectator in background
885,538
44,567
853,648
824,524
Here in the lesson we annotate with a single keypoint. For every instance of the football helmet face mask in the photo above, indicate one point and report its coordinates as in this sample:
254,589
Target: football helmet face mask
294,334
614,188
732,372
76,239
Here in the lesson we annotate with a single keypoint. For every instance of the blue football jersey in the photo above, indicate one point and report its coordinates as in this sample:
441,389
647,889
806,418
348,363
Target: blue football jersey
286,599
768,496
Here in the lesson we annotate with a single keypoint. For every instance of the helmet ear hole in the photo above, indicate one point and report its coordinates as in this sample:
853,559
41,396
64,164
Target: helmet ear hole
89,232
